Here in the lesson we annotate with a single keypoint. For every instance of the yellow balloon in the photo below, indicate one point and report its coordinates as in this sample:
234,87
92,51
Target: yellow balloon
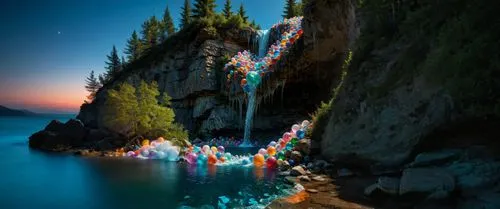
145,142
214,149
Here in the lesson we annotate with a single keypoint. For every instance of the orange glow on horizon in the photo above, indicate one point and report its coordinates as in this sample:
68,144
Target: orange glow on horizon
67,100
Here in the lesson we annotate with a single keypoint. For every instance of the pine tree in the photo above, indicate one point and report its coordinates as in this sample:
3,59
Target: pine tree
203,8
242,13
254,25
150,32
227,9
167,24
124,63
186,14
133,47
113,65
289,9
102,79
92,85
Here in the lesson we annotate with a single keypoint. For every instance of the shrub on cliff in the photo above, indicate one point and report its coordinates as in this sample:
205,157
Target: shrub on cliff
322,114
141,112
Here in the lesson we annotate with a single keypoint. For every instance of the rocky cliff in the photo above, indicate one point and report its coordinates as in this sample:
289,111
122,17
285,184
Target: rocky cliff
424,76
188,74
205,105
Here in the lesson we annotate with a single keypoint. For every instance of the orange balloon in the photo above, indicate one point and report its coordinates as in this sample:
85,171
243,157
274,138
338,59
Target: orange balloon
212,159
243,81
271,150
258,160
222,159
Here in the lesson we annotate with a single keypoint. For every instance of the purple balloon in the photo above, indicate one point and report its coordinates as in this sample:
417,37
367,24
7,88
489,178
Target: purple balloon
221,149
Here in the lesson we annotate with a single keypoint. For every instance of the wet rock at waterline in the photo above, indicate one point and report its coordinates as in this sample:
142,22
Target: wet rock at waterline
72,135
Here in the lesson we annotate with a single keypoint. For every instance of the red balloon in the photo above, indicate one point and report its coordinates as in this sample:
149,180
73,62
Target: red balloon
271,162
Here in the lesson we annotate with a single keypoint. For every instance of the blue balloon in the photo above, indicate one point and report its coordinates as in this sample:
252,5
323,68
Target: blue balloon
202,159
301,134
218,155
291,162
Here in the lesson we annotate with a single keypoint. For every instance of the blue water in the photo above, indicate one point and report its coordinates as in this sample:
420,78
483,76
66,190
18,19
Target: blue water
33,179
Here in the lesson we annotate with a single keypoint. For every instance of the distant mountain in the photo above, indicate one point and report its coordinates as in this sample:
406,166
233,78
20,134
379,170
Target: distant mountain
5,111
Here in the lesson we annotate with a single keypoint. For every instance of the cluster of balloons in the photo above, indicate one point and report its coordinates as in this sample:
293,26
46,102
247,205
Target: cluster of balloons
157,149
274,154
252,69
204,155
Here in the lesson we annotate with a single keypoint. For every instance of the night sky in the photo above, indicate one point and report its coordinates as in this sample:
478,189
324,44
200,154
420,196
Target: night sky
48,48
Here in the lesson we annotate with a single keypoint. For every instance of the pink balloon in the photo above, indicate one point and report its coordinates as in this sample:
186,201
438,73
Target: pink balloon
191,158
295,128
262,151
287,136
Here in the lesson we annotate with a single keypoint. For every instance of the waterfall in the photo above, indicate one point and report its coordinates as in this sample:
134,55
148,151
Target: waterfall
263,36
263,39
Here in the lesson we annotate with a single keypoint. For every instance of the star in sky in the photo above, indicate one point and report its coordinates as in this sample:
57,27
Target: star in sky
58,32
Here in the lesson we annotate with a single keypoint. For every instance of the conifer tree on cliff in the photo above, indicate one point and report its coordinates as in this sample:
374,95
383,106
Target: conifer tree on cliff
289,9
167,24
113,65
133,47
203,8
150,32
242,13
124,63
227,9
92,85
185,14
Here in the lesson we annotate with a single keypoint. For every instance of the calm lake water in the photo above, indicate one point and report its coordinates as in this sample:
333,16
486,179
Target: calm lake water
33,179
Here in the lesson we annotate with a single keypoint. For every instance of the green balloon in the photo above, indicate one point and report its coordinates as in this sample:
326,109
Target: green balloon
294,141
281,155
253,78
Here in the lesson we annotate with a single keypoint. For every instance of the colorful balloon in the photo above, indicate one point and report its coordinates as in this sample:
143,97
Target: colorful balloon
295,128
305,124
212,159
271,150
206,149
220,149
191,158
301,134
262,151
287,136
258,160
271,162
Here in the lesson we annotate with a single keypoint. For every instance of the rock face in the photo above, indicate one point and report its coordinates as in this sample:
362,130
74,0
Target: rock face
437,182
393,100
203,102
59,136
330,28
189,76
